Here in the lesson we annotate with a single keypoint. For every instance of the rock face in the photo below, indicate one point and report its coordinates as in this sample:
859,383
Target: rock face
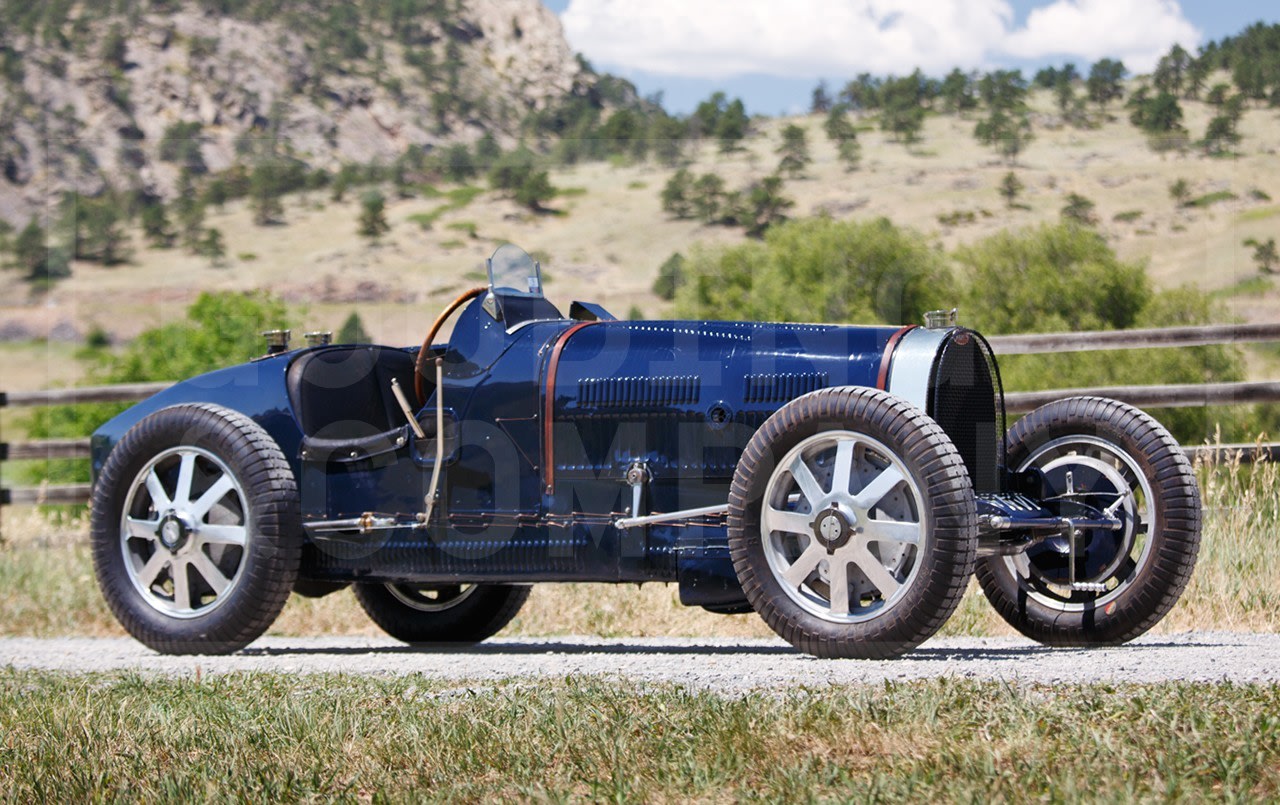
74,120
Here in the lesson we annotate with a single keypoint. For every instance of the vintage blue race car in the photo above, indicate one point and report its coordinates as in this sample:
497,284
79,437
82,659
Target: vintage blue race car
846,483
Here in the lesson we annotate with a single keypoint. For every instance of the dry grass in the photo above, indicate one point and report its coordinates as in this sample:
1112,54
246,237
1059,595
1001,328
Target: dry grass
47,586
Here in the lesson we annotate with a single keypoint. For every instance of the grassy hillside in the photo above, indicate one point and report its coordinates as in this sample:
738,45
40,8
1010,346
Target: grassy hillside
604,237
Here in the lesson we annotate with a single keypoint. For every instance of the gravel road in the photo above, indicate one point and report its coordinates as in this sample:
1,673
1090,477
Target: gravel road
724,665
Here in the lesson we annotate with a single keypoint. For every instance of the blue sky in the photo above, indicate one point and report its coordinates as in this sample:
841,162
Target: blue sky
771,53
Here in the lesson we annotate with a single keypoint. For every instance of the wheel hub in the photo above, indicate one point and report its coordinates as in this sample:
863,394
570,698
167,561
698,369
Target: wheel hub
174,532
833,528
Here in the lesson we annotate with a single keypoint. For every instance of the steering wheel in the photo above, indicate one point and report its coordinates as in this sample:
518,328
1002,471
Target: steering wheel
419,375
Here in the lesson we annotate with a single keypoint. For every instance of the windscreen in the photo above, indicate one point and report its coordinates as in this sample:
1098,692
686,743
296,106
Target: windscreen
513,272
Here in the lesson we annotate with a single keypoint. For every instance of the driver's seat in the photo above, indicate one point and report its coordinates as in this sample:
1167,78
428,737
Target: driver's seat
344,393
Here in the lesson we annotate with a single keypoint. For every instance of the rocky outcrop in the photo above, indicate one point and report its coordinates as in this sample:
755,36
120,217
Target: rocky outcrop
77,121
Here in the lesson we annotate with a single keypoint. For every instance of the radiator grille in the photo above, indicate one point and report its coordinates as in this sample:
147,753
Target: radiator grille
964,402
627,392
781,387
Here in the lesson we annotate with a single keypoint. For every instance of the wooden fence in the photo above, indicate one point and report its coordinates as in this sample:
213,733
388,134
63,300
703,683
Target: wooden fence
1166,396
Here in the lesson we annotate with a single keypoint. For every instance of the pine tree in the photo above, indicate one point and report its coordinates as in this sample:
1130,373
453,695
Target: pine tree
1079,210
676,194
794,151
155,226
373,218
1010,188
352,331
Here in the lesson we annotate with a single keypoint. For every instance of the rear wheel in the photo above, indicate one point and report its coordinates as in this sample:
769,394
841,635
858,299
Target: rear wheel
1112,457
426,614
852,524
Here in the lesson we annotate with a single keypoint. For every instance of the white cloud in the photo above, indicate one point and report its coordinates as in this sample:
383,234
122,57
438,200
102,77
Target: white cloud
717,39
1138,32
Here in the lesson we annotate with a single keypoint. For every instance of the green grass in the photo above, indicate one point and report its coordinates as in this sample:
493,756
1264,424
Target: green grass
274,737
1127,217
1260,214
1253,286
1209,199
458,198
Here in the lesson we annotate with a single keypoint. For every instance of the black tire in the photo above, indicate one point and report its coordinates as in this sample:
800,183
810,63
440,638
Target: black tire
939,497
441,614
144,579
1144,576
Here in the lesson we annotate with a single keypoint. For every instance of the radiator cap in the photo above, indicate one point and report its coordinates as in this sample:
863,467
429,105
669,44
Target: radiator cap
941,319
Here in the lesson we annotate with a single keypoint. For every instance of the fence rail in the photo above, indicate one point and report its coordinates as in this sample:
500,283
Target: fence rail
1166,396
1191,395
1095,341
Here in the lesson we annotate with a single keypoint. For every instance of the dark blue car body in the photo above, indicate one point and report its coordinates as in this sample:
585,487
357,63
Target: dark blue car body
545,416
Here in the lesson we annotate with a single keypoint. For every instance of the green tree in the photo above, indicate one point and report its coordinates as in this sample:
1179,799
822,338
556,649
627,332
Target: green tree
1160,117
820,101
535,191
864,92
764,206
1180,191
265,191
353,331
373,215
677,193
1003,89
1171,71
188,208
31,253
959,91
1106,82
731,129
708,198
1197,76
1217,96
457,163
488,151
1008,130
1264,254
818,269
707,115
115,47
902,113
212,246
794,151
103,239
670,277
1058,278
841,131
181,145
1221,135
668,137
156,227
1010,188
1079,210
512,170
220,329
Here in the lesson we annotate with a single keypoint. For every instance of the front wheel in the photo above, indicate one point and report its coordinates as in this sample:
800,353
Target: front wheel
1117,459
454,613
852,524
195,530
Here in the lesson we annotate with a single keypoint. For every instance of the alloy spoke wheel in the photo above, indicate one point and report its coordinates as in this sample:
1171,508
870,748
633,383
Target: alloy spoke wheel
842,526
184,532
